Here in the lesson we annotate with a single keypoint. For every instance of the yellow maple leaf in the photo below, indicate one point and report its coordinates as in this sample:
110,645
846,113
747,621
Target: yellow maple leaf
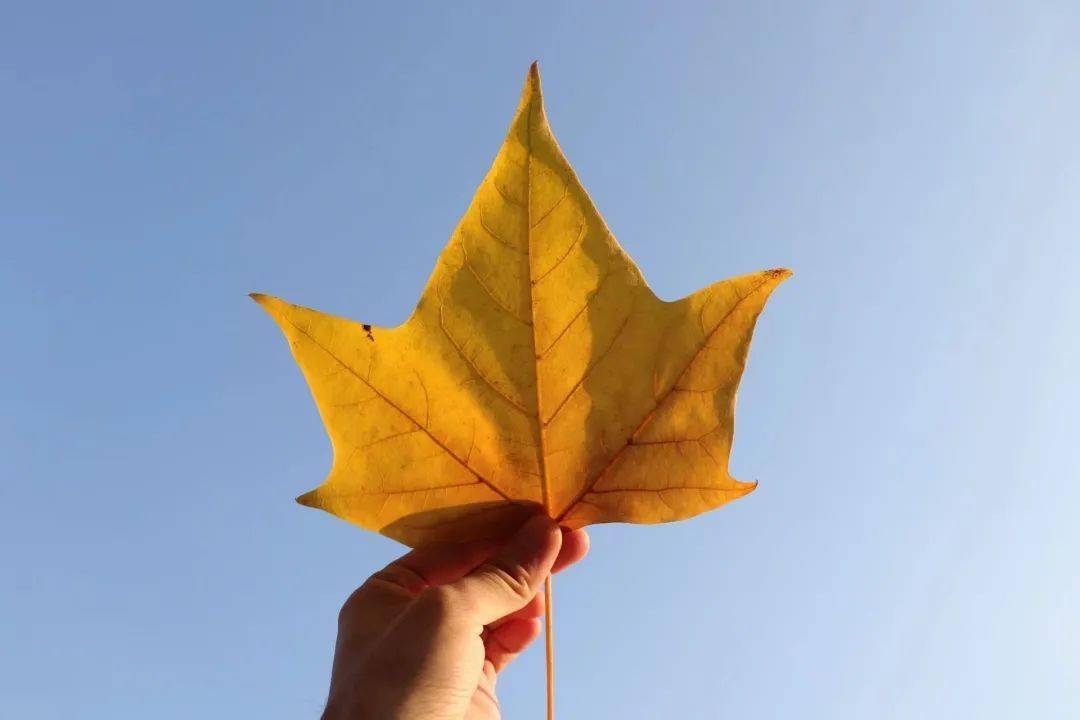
538,369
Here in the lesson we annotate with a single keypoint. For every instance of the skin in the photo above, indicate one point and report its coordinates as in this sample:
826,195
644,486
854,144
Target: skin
427,636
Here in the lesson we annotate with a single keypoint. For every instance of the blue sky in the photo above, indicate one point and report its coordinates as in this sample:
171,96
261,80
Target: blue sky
909,407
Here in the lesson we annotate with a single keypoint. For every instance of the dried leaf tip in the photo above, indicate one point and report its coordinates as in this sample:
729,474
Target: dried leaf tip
272,305
308,499
532,81
264,301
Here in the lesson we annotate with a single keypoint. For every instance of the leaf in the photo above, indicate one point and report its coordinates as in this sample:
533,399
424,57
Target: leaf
537,369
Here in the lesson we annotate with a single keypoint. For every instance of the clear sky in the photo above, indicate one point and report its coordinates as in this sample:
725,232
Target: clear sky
909,407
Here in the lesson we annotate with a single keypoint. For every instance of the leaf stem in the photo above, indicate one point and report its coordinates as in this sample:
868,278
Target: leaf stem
549,642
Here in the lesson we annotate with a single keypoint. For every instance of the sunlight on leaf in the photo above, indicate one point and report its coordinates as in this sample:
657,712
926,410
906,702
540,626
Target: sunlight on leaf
538,370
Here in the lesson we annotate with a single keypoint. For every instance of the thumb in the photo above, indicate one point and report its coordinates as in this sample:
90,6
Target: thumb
510,579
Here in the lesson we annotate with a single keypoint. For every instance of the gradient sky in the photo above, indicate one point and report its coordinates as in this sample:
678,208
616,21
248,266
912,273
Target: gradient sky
909,406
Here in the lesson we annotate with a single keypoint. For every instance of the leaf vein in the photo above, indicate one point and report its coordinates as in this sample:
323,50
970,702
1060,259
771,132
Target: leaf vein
396,407
592,366
476,370
483,285
503,194
570,249
495,236
659,401
578,314
551,209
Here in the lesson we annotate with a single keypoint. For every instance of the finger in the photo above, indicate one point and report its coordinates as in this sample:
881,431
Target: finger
437,565
533,609
510,579
506,642
575,546
386,593
484,701
442,564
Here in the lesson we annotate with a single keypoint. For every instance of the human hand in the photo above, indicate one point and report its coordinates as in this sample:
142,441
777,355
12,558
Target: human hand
425,638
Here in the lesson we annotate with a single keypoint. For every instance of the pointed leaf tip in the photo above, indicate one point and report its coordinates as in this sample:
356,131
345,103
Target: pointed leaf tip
308,499
269,303
266,302
532,80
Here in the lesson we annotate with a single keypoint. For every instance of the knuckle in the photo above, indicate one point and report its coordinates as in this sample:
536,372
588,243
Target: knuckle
351,607
510,577
402,577
440,604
